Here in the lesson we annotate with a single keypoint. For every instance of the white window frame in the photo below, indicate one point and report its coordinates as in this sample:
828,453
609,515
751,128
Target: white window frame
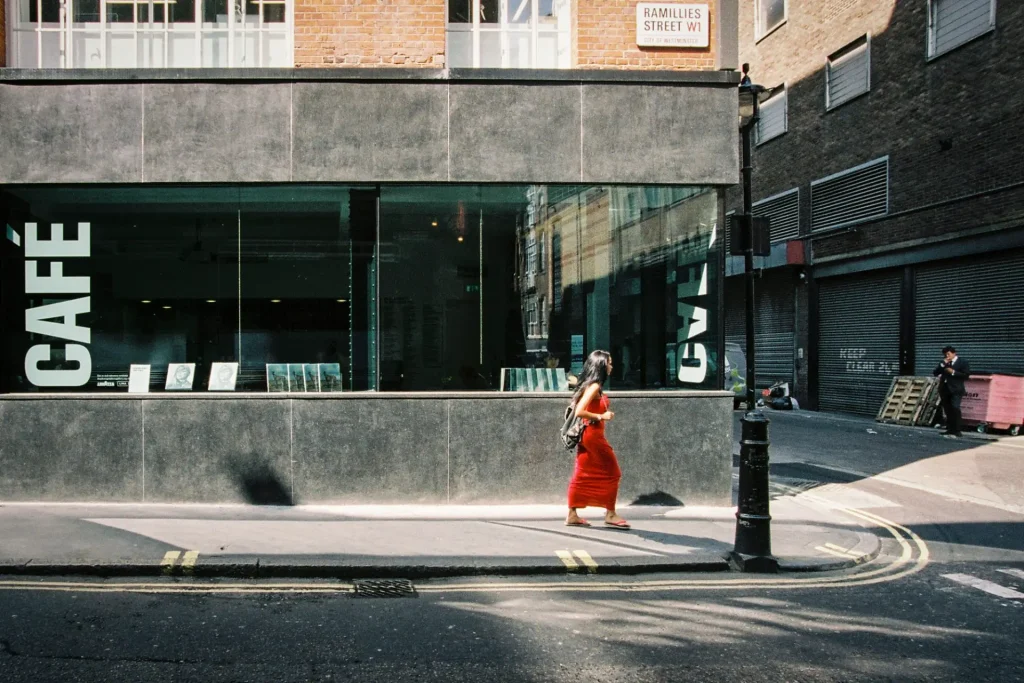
504,29
94,39
778,97
930,50
846,53
761,32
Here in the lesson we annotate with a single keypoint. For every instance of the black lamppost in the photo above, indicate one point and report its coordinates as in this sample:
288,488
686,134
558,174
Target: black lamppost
752,551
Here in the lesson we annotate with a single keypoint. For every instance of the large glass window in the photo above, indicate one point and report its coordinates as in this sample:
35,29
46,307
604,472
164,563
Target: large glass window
326,288
151,33
516,34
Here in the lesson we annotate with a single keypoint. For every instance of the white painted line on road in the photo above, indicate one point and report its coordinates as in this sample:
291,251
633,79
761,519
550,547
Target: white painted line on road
586,559
1018,573
987,586
567,559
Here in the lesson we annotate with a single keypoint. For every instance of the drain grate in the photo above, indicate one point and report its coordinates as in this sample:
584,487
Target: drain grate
383,588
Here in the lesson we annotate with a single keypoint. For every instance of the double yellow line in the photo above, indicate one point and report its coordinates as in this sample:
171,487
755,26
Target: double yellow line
914,556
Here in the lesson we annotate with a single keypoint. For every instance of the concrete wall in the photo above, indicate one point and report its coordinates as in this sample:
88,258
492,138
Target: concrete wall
351,448
360,125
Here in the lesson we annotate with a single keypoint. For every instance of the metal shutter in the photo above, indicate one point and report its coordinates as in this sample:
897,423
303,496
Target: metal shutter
859,341
784,211
848,73
955,22
773,119
975,306
850,196
775,323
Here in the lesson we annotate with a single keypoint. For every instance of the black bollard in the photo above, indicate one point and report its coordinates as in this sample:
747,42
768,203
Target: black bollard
753,549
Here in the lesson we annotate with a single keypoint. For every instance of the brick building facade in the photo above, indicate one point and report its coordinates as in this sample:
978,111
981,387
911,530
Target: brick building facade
915,180
382,33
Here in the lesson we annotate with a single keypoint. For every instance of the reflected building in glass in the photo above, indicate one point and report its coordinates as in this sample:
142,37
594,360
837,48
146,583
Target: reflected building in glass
403,287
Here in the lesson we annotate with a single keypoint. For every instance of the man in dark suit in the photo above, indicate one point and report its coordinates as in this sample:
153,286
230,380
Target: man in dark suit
953,370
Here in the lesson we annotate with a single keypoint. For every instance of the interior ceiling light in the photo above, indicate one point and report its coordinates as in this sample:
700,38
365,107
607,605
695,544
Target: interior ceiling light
146,301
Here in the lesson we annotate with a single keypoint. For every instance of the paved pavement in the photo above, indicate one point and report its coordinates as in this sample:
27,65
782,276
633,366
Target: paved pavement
407,541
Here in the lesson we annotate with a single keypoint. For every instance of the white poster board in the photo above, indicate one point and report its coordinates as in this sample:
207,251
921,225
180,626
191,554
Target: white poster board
223,376
138,379
180,376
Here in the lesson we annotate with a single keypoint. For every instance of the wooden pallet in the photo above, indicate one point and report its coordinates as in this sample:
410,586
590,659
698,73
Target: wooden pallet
910,401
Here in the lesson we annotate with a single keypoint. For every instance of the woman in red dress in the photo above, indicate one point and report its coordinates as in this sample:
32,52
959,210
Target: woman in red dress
595,482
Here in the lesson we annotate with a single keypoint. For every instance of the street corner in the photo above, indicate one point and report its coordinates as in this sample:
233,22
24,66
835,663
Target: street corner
810,548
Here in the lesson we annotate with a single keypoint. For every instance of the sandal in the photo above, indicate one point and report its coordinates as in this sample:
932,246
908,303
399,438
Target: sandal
621,524
579,522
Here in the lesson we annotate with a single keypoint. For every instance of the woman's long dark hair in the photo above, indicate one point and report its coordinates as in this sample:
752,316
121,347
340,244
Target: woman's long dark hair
595,370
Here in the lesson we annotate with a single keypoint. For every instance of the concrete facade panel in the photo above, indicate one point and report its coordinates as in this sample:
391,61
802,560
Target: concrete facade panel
649,134
508,450
370,131
217,132
515,133
71,450
70,133
217,451
376,450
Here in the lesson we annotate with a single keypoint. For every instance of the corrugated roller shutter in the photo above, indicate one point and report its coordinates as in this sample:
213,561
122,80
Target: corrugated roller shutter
859,341
774,325
784,212
954,22
976,306
854,195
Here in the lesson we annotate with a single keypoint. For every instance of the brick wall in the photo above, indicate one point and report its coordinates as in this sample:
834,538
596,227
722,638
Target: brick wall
409,33
950,126
606,39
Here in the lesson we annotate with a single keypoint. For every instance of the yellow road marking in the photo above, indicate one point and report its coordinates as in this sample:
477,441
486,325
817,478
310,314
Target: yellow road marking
567,559
838,548
188,563
170,557
586,559
895,570
837,553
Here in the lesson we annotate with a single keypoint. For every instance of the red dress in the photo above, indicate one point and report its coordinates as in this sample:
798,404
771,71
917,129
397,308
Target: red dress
595,483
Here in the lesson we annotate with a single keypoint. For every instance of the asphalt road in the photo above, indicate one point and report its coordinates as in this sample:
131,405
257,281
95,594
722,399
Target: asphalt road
922,611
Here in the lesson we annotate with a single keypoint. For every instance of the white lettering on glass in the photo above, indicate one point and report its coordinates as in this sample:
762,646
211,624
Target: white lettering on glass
58,320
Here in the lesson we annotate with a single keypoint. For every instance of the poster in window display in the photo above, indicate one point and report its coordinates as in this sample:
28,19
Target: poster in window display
138,379
180,376
223,376
277,377
312,374
296,377
330,377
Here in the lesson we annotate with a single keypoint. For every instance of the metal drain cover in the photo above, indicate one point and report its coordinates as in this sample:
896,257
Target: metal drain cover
383,588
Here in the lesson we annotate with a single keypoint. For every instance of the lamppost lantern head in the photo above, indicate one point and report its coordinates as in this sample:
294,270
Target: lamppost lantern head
750,95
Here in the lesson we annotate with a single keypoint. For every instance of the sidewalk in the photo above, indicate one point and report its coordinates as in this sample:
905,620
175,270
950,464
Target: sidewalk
406,541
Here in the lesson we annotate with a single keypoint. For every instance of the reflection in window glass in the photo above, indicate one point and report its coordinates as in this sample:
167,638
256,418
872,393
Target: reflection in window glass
463,294
412,288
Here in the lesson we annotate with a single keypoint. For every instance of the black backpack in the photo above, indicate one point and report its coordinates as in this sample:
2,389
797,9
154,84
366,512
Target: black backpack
571,432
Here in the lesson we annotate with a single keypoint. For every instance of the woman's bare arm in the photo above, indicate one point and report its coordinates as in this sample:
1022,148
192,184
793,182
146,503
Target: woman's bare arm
588,395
